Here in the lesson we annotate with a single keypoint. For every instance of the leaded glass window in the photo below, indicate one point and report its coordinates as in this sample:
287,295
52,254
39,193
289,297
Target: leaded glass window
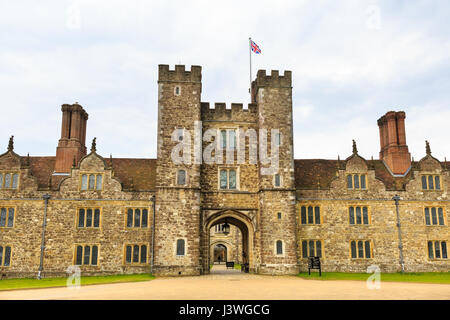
232,174
144,218
424,183
99,182
223,179
305,248
7,260
430,250
223,135
427,216
128,254
81,218
352,215
15,180
1,180
10,217
232,139
358,215
91,181
89,218
96,218
349,182
94,255
360,249
144,254
311,248
135,254
277,180
310,215
2,217
130,218
441,216
319,249
137,218
433,216
367,249
353,249
303,214
84,182
317,215
79,257
8,180
87,254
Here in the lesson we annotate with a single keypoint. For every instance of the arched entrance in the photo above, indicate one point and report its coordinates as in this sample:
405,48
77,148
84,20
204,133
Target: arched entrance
239,220
220,253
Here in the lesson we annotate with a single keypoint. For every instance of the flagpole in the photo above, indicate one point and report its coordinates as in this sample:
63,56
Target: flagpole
250,56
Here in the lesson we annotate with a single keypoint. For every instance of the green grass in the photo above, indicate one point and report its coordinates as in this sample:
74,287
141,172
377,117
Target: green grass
423,277
30,283
237,266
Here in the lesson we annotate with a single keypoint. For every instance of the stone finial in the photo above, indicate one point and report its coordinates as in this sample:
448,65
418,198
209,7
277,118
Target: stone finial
94,145
11,144
355,149
427,148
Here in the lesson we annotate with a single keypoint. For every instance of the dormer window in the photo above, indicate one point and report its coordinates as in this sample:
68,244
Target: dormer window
91,181
431,182
9,180
357,181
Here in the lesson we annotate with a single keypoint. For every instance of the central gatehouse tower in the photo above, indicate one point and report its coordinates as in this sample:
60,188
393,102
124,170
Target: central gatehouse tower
193,197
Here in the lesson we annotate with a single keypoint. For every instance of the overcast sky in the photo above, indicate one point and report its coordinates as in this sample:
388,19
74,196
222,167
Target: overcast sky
351,62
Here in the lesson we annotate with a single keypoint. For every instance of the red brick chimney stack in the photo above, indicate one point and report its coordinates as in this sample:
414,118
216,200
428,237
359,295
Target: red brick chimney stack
73,137
394,150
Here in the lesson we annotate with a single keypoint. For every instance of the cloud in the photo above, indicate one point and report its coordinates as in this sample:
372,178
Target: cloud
346,73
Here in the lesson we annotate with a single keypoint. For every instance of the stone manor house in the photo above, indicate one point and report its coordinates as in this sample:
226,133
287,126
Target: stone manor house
124,215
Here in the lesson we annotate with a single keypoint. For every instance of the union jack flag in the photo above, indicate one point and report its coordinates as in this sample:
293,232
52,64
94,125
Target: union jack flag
255,47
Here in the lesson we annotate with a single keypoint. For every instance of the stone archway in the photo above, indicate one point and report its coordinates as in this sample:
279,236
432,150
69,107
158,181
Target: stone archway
241,221
220,253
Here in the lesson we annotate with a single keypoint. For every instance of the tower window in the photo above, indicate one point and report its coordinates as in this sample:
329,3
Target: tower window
279,245
177,90
180,247
228,179
181,177
277,180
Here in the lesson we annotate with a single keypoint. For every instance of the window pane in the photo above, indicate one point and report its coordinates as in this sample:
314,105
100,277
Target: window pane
180,247
7,256
223,134
143,254
441,216
352,215
79,259
84,182
144,218
1,256
358,215
433,216
128,255
3,217
311,248
1,182
279,247
130,218
223,179
97,218
430,183
137,218
317,214
310,215
365,215
279,215
437,249
81,218
7,180
424,182
10,217
437,181
277,180
356,179
181,177
360,249
232,174
89,218
304,249
278,137
94,255
232,139
16,179
99,181
427,216
363,181
353,246
349,182
319,249
136,254
430,250
367,247
91,181
444,250
303,214
87,254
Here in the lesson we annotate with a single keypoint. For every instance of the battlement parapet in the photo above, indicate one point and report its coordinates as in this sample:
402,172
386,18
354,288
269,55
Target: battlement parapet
274,80
179,74
235,113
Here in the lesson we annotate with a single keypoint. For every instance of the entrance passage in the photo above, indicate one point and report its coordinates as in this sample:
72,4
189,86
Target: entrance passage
220,253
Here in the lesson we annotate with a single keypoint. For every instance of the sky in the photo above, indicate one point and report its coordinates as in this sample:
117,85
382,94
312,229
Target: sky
351,61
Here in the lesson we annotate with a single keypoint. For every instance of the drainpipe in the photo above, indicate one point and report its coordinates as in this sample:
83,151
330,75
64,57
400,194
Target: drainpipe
46,197
153,199
400,245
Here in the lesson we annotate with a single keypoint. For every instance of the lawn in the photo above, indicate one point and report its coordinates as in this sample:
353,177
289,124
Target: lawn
424,277
30,283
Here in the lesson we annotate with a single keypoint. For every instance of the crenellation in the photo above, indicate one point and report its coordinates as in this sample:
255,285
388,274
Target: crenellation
179,74
274,80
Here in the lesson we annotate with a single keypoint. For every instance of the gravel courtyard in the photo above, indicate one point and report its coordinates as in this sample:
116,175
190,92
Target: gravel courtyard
233,285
